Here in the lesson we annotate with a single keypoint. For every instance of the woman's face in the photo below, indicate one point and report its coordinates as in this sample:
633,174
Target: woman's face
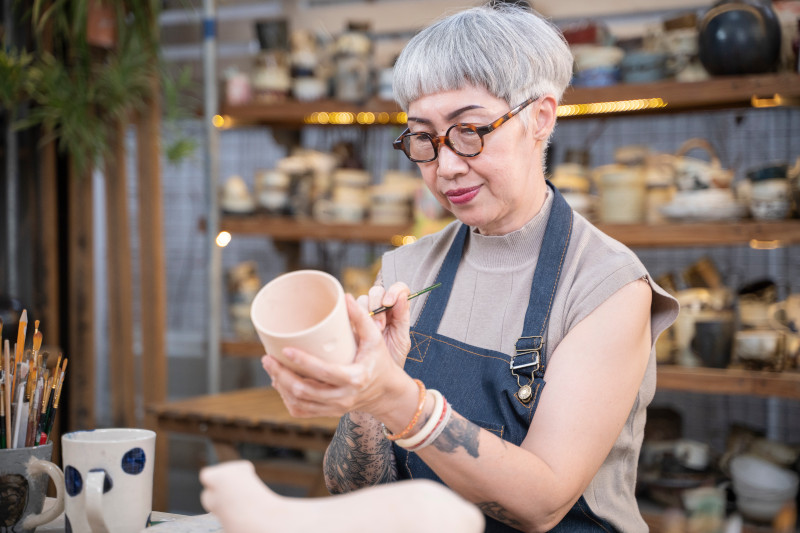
502,188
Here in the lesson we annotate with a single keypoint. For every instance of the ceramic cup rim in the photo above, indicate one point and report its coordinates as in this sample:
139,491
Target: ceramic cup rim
108,435
280,279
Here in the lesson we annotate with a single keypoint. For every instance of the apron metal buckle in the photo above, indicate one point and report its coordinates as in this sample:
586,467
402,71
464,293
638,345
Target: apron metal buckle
534,363
527,346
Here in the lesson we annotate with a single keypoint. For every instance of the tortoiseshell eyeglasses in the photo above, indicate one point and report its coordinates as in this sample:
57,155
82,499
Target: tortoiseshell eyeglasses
464,139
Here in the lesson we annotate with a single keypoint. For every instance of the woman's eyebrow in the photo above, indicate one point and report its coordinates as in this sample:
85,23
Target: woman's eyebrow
450,116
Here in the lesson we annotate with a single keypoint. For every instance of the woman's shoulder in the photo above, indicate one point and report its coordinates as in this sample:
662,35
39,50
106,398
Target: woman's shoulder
599,265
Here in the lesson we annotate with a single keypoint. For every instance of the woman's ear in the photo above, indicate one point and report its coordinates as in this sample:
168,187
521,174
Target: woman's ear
544,119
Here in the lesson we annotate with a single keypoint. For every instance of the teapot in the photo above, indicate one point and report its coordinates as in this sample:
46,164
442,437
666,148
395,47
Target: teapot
692,173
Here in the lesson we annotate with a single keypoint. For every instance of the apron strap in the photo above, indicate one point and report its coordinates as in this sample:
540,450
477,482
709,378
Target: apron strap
530,353
436,302
530,350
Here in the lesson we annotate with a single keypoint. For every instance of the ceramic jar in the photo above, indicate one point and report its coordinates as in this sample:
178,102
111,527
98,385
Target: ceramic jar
622,193
770,192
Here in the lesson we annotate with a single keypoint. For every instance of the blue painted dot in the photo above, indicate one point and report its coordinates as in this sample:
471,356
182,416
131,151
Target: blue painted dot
133,461
107,481
73,481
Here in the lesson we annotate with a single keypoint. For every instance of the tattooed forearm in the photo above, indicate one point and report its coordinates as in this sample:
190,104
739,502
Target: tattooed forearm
498,512
459,432
358,456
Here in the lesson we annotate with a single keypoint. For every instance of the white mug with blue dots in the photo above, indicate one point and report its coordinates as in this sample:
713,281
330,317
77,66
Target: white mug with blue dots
108,476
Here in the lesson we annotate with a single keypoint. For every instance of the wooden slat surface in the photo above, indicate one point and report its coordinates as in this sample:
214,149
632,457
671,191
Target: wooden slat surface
729,381
785,232
289,229
250,415
723,91
716,92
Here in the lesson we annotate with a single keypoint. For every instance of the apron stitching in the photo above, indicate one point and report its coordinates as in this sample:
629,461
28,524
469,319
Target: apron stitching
589,516
425,303
417,346
558,275
468,351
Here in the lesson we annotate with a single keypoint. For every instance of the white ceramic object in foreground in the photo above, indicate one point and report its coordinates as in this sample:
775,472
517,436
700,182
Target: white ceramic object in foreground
108,475
306,310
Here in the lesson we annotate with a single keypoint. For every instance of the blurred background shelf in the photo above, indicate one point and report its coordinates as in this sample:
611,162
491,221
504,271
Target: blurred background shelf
741,232
762,90
289,229
729,381
670,377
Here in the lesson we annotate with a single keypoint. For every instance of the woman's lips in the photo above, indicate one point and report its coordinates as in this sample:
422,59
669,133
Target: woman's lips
462,196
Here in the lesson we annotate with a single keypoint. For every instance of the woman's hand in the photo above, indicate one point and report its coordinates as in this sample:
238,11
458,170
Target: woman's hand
394,322
371,384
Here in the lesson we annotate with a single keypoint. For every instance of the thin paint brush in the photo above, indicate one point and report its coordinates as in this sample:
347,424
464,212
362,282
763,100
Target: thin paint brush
21,332
21,414
52,419
8,389
30,436
3,431
383,308
47,405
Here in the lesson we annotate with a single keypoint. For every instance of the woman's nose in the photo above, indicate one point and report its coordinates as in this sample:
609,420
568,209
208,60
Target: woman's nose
451,165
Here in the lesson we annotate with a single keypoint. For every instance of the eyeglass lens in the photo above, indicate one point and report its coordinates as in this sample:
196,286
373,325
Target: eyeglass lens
462,138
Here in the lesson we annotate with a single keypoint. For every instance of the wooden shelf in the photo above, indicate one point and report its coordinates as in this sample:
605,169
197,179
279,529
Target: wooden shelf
289,229
293,112
670,377
705,234
729,381
728,91
785,232
233,348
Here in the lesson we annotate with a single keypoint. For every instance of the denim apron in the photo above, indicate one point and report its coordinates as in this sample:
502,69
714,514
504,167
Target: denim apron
486,386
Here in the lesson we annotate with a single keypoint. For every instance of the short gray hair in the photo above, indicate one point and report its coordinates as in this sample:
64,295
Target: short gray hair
510,51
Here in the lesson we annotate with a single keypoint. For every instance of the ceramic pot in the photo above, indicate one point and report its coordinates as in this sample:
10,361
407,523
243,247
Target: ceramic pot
304,309
622,194
740,37
692,173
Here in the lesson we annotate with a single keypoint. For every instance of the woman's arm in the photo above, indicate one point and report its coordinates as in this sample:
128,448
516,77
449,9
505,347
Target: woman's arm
592,383
358,455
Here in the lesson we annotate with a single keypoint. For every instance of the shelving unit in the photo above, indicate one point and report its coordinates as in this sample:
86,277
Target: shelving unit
783,232
738,91
763,90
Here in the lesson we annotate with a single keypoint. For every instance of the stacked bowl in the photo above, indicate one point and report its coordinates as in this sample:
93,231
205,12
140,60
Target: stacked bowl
762,488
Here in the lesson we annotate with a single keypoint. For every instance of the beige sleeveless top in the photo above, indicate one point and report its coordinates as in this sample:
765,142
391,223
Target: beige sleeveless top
487,307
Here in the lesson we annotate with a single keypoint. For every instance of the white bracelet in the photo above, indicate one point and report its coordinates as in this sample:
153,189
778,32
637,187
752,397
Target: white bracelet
430,424
445,418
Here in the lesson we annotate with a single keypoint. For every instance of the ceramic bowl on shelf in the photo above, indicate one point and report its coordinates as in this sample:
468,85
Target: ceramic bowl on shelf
762,488
705,205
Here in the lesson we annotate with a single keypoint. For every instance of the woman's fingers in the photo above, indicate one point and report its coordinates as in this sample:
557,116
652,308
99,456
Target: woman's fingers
363,325
397,298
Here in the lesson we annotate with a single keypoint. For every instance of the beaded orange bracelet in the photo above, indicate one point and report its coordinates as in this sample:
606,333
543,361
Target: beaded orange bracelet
420,405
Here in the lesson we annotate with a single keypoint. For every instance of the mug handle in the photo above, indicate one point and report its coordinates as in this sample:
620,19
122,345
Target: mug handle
94,501
36,467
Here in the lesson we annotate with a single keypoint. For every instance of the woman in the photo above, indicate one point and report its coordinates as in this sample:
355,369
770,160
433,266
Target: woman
531,295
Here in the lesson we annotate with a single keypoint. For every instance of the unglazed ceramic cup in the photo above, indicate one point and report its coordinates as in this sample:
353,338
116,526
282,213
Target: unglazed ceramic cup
108,475
304,309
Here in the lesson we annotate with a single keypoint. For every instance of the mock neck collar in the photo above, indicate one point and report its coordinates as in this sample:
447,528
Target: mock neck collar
513,250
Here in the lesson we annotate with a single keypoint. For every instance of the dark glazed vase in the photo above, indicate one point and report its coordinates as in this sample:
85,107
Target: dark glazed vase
740,37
